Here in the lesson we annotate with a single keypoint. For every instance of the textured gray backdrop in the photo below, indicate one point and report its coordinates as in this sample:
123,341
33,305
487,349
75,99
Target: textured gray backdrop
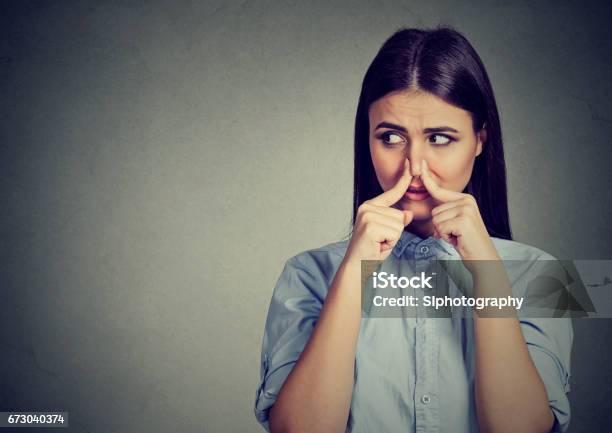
159,161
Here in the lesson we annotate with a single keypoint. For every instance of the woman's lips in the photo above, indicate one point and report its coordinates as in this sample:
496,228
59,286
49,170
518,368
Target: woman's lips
416,194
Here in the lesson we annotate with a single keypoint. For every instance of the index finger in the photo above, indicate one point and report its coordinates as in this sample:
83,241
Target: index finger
435,190
396,192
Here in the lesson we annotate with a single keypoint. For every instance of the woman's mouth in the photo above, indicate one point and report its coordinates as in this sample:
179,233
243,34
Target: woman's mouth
416,194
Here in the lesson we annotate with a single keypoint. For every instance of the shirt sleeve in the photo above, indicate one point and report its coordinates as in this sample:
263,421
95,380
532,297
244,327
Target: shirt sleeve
295,306
549,341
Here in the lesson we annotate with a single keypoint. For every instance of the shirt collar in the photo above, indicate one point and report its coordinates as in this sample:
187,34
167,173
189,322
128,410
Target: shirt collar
408,238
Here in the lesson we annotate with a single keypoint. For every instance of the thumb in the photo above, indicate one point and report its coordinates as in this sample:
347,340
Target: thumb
408,215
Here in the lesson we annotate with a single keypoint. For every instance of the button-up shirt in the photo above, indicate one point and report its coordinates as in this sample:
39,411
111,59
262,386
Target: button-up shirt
412,374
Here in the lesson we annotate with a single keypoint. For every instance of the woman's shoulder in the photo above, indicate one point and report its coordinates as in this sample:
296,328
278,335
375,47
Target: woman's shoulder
334,249
309,273
525,263
323,260
515,250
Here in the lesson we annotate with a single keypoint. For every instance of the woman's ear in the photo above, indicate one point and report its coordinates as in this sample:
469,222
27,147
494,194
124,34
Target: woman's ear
482,138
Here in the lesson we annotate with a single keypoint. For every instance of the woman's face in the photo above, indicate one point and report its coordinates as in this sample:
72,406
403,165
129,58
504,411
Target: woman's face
420,126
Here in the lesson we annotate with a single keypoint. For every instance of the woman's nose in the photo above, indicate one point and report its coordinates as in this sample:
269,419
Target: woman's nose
415,166
415,155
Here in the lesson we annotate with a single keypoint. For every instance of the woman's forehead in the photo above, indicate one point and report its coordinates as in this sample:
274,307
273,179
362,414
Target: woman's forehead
417,110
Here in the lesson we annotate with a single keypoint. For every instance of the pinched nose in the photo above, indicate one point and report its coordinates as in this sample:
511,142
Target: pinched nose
416,163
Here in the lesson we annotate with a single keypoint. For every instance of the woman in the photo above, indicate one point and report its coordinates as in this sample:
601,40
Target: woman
429,184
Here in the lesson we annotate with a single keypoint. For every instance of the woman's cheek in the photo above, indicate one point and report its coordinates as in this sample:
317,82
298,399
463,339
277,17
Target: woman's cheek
383,174
387,166
454,173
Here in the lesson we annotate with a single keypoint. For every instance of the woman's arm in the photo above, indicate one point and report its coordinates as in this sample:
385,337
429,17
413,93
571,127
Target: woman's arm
317,393
510,395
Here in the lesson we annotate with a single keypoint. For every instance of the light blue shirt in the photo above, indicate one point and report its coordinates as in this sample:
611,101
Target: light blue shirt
411,374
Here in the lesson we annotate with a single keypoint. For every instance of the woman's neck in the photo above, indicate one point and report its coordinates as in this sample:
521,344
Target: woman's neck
422,229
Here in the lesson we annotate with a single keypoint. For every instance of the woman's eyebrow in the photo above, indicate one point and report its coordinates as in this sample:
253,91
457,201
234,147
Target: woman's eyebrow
401,128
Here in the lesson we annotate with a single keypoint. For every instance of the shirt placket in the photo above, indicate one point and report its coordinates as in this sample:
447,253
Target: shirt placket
426,400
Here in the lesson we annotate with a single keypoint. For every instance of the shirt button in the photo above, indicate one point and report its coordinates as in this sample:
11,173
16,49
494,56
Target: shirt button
424,249
425,399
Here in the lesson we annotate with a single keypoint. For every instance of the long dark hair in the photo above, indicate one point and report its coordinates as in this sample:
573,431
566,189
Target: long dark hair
440,61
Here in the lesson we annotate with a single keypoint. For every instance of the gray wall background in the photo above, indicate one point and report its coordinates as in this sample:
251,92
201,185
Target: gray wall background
159,161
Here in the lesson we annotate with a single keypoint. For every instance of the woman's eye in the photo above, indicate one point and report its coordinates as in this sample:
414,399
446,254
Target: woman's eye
386,138
445,139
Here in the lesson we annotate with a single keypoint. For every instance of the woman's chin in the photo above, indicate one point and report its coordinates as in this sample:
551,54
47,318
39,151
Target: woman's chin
420,210
421,217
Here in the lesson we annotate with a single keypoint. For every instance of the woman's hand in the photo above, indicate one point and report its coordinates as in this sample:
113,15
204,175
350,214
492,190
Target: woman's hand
378,226
458,221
